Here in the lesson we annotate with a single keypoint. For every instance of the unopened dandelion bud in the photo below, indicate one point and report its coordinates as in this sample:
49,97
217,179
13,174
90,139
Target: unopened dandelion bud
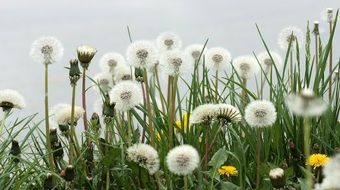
69,173
15,150
277,177
74,72
316,28
48,182
139,74
85,55
329,15
95,121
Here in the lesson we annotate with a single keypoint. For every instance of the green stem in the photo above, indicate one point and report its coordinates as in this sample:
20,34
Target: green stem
172,110
290,70
330,67
185,180
72,135
258,157
148,107
47,124
307,141
244,93
216,86
129,128
84,99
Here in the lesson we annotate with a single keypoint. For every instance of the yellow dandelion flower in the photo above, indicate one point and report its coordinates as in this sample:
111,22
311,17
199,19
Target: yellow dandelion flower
317,160
227,170
185,121
158,137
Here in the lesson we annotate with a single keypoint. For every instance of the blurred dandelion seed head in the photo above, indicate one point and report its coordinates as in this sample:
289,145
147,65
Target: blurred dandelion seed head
182,160
63,115
110,61
289,35
47,50
246,66
276,173
104,82
11,99
260,113
217,58
195,50
122,73
175,63
168,41
331,172
267,63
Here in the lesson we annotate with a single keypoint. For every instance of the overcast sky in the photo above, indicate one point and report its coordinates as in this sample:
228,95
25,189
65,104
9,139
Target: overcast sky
102,23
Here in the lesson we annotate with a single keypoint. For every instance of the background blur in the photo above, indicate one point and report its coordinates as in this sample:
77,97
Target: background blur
102,23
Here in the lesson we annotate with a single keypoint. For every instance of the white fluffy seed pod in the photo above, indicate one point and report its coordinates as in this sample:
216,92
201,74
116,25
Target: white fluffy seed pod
203,113
104,82
110,61
246,66
142,54
168,41
267,63
291,34
123,73
182,160
47,50
217,58
276,173
63,115
196,52
331,172
126,95
175,63
260,113
228,113
11,99
145,156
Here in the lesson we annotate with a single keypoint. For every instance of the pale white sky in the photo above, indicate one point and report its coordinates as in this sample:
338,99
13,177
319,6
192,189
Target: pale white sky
102,23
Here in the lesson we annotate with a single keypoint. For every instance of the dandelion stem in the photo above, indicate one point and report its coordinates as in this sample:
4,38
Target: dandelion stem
244,93
160,91
206,156
72,125
258,157
330,66
129,120
316,51
148,107
172,110
185,180
306,139
290,70
144,102
84,99
216,86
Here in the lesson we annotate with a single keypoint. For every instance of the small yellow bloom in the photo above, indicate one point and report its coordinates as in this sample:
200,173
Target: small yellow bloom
317,160
158,137
227,170
185,121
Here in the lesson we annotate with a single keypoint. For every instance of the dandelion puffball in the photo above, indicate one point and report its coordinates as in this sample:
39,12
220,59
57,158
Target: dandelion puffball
331,172
126,95
110,61
175,63
196,52
142,54
182,160
217,58
11,99
246,66
47,50
203,114
104,82
63,115
122,73
145,156
291,35
168,41
267,63
228,113
260,113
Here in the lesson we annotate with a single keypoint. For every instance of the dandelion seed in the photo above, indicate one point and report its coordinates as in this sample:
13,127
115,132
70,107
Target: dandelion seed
182,160
227,170
277,177
145,156
260,113
168,41
110,61
267,63
196,52
142,54
331,171
306,104
47,50
217,58
11,99
126,95
291,35
63,115
203,114
228,113
246,66
104,82
85,55
175,63
122,73
317,160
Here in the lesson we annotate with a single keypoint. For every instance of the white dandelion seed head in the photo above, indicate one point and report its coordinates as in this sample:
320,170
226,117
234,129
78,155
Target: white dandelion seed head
104,82
145,156
168,41
217,58
47,50
142,54
291,34
126,95
53,111
267,63
86,49
123,73
63,115
246,66
196,51
331,171
110,61
228,112
276,173
98,106
260,113
203,113
306,104
175,63
182,160
11,99
327,15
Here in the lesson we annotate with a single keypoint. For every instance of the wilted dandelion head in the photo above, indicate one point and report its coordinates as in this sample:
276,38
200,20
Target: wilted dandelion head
11,99
47,50
175,63
145,156
246,66
203,114
331,172
104,82
217,58
291,35
63,115
260,113
267,63
142,54
228,113
306,104
85,54
196,51
122,73
168,41
110,61
126,95
182,160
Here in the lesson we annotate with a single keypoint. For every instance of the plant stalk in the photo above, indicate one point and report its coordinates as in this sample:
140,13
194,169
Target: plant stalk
84,99
47,124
